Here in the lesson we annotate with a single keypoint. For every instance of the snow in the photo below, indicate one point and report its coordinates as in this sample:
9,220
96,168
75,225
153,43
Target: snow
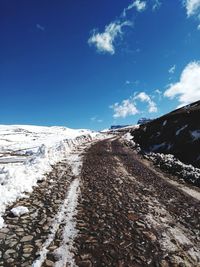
131,127
27,153
20,210
65,214
64,251
171,164
195,134
165,122
128,137
181,129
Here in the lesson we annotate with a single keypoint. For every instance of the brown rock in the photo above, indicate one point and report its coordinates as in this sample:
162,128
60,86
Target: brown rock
26,238
49,263
150,236
132,216
85,256
164,263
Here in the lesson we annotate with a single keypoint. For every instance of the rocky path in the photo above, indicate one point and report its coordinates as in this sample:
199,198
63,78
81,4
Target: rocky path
38,237
130,216
116,212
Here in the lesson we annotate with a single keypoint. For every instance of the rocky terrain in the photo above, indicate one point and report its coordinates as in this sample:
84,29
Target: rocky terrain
130,215
115,210
176,133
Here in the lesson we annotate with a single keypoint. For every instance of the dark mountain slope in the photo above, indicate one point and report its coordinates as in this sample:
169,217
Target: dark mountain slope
177,133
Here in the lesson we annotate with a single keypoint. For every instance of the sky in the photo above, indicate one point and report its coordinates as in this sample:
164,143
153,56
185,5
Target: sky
92,64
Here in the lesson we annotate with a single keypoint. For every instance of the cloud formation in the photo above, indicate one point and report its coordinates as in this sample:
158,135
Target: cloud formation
128,107
104,42
143,97
156,5
192,6
137,4
125,109
172,69
187,90
95,119
40,27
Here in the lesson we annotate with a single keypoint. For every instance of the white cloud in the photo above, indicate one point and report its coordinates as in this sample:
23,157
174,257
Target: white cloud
198,27
125,109
159,94
128,107
104,42
192,6
156,5
138,4
40,27
172,69
146,98
187,90
157,91
95,119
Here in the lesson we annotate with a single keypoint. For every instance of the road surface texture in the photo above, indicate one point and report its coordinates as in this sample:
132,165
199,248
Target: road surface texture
117,212
130,216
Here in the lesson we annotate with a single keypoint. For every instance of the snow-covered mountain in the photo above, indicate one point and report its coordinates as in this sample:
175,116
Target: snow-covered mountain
27,153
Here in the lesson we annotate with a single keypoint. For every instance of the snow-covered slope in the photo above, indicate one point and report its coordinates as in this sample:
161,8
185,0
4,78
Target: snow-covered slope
28,152
176,133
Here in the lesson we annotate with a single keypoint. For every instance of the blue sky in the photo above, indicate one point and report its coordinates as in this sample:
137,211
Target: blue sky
90,64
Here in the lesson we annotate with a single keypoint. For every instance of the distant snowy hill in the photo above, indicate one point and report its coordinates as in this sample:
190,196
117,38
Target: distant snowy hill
176,133
28,152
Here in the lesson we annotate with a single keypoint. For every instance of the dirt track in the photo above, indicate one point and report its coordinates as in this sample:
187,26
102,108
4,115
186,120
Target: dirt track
127,215
130,216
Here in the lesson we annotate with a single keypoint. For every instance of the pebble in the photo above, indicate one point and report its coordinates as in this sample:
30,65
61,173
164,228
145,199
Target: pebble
27,250
150,236
12,243
9,251
85,256
19,230
26,238
26,255
86,263
52,248
49,263
4,230
10,260
2,235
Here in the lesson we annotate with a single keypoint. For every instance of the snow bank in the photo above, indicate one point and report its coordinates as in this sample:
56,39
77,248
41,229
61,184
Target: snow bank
169,163
40,148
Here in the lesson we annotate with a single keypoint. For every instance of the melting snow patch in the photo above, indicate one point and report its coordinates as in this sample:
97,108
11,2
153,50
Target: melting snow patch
65,214
169,163
195,135
128,137
20,210
165,122
64,251
181,129
41,147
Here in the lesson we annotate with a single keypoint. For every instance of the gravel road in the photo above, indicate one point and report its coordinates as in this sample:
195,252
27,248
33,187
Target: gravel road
117,211
128,215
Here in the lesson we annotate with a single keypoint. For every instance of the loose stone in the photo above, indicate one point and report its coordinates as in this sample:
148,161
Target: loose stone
49,263
27,238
